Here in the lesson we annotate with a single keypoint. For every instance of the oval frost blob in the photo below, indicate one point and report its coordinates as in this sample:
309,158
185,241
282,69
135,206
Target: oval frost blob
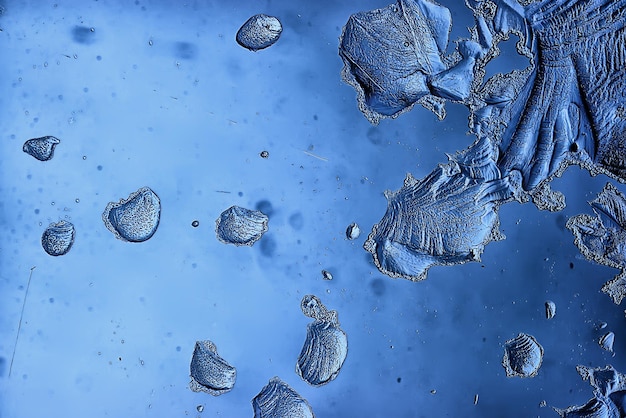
41,148
259,32
134,219
326,345
58,238
522,356
277,399
240,226
209,372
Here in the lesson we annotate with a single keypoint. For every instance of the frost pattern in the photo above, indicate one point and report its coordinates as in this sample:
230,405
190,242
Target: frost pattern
567,107
609,394
603,238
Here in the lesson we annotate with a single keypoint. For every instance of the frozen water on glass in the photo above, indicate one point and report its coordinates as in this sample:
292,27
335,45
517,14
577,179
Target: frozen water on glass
485,102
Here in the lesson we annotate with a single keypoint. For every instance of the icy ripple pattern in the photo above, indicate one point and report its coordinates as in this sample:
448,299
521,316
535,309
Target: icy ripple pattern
603,238
41,148
134,219
209,372
568,106
278,400
259,32
609,392
522,356
58,238
240,226
326,345
445,218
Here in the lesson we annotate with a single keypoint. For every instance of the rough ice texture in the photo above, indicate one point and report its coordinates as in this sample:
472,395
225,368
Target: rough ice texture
134,219
445,218
58,238
41,148
326,345
240,226
567,107
609,394
389,53
259,32
522,356
603,238
278,400
209,372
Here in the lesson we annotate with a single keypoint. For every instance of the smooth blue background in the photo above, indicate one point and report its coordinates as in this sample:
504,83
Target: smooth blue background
109,328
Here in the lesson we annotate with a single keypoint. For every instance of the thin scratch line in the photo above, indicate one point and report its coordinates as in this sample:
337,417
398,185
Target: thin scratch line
19,326
315,156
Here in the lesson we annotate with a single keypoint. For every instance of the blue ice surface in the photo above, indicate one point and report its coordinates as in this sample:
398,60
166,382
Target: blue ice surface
160,94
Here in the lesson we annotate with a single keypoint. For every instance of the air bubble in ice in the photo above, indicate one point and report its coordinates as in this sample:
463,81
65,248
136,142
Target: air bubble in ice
209,372
259,32
134,219
41,148
58,238
278,400
522,356
240,226
326,345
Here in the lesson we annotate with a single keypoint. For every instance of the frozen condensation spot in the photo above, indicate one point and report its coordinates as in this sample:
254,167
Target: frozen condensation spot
240,226
606,341
353,231
326,345
278,400
134,219
443,219
603,238
41,148
58,238
389,54
550,309
209,372
522,356
259,32
609,394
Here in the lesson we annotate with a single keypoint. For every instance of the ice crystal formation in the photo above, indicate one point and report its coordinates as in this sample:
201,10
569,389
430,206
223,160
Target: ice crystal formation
568,106
446,218
240,226
41,148
326,345
609,394
209,372
603,238
259,32
134,219
277,399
